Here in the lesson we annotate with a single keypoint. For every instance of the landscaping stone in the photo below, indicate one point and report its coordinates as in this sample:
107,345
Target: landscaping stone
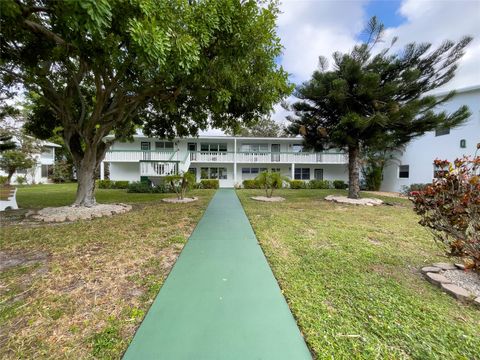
74,213
268,199
437,279
445,266
469,280
477,301
346,200
179,201
460,266
431,269
457,291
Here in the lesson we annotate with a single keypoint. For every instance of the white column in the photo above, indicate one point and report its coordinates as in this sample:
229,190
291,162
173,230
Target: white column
102,171
234,162
293,171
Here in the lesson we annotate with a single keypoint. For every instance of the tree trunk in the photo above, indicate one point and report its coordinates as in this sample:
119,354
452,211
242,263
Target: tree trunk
86,183
353,172
9,177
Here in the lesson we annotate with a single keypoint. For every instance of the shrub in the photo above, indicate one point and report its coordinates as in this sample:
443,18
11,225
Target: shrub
62,172
210,184
339,184
3,180
21,180
121,184
104,184
146,187
297,184
407,189
450,208
181,183
319,184
269,181
251,184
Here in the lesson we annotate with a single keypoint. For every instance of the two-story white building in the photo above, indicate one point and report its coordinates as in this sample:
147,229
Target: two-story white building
44,161
228,159
415,163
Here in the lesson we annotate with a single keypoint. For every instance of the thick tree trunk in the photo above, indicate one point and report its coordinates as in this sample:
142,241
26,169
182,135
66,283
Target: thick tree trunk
9,177
353,172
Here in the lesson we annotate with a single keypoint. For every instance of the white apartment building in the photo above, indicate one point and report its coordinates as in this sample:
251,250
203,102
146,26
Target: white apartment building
415,163
44,161
229,159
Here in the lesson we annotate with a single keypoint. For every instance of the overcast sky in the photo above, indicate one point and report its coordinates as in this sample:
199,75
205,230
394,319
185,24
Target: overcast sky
310,28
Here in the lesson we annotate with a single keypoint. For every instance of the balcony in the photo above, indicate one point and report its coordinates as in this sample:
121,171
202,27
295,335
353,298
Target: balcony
228,157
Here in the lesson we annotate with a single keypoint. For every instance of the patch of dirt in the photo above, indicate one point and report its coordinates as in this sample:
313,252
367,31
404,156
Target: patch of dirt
168,257
268,199
180,201
9,259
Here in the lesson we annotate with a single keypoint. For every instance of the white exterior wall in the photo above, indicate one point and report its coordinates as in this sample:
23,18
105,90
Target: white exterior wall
421,152
125,171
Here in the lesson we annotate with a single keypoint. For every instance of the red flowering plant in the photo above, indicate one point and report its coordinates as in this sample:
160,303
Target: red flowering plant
450,207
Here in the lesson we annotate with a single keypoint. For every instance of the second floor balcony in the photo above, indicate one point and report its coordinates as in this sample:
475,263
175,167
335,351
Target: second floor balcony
229,157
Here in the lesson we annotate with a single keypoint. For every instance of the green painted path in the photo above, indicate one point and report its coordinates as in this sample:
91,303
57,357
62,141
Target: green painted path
221,300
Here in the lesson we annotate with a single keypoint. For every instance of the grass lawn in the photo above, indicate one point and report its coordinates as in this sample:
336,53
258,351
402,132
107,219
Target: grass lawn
82,289
351,277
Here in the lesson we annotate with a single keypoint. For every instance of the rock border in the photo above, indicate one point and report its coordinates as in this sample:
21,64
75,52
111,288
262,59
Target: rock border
433,274
361,201
268,199
72,213
180,201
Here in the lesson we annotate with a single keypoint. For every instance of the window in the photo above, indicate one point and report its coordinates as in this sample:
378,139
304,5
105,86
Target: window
254,148
213,173
275,170
463,143
253,170
404,171
145,145
297,147
442,131
47,153
164,145
21,172
302,173
46,171
438,172
217,147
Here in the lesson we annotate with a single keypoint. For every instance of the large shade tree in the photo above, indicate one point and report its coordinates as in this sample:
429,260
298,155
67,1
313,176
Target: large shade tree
368,99
98,67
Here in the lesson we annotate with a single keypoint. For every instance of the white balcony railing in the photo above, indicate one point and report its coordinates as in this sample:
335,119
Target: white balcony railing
228,157
135,156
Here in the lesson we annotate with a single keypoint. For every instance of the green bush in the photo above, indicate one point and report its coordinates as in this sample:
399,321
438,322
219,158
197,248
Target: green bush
210,184
147,188
21,180
3,180
104,184
339,184
297,184
319,184
251,184
121,184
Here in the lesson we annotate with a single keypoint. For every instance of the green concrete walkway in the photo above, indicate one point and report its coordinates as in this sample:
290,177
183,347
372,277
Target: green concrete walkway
221,300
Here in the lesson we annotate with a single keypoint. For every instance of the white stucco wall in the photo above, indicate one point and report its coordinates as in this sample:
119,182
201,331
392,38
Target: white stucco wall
421,152
125,171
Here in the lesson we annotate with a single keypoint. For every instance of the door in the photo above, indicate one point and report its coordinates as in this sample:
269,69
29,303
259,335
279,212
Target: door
192,147
145,147
275,152
318,174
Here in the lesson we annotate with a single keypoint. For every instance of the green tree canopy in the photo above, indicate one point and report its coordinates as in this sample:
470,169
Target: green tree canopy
369,99
264,127
96,67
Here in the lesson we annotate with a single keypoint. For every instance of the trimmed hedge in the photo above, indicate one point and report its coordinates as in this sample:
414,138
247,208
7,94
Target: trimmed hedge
109,184
251,184
145,187
339,184
297,184
319,184
209,184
